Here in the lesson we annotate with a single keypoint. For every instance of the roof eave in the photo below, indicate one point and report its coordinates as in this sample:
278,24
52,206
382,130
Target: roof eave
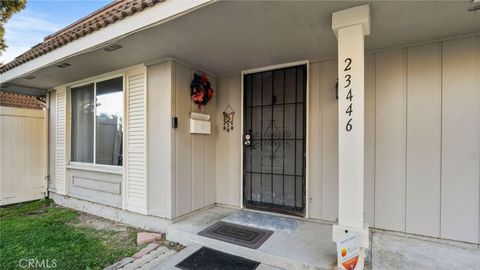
158,14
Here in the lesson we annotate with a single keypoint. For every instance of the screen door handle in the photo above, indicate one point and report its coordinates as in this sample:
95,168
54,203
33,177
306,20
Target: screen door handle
247,141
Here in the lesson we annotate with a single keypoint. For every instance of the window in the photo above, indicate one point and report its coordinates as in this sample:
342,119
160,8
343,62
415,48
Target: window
97,115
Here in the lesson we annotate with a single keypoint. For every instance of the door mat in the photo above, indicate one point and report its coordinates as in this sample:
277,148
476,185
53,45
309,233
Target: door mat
209,259
264,221
237,234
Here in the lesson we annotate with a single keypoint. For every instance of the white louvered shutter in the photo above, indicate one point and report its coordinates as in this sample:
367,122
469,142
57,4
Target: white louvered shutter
135,133
61,133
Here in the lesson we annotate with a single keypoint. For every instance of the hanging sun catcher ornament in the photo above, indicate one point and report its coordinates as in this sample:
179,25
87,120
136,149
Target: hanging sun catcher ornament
228,118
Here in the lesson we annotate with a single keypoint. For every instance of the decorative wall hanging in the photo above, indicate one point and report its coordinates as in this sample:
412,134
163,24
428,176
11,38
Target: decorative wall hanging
201,90
228,118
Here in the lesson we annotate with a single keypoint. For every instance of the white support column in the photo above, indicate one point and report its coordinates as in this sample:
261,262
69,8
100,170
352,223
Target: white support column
350,27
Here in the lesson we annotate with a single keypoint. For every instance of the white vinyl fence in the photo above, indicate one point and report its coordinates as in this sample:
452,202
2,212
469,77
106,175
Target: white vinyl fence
23,166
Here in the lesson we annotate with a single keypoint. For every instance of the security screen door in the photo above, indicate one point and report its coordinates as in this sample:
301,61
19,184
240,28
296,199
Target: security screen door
274,140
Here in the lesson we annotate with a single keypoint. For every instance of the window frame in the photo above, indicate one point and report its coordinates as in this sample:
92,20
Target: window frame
94,165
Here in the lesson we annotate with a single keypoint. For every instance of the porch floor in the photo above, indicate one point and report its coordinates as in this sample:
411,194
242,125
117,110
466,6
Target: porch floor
295,243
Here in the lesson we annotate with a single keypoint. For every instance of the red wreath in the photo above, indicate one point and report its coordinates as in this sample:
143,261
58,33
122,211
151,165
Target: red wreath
201,90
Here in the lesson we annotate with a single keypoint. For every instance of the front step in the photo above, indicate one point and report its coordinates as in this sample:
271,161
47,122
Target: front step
267,259
189,250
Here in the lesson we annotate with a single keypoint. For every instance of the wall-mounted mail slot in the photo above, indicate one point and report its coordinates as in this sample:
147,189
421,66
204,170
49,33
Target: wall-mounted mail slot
199,123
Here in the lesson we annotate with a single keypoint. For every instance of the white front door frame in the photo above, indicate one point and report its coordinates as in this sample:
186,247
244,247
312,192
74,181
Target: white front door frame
267,68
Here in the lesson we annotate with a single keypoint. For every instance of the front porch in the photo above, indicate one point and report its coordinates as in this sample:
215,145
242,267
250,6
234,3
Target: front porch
307,244
298,244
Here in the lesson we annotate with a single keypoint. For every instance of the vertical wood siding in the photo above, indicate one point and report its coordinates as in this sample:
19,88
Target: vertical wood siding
422,140
329,142
160,136
136,149
428,140
195,154
317,71
323,142
390,150
460,140
369,185
424,106
183,180
22,155
427,144
228,161
61,141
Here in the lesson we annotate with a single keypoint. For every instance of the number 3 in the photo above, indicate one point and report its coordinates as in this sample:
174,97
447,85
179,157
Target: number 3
347,78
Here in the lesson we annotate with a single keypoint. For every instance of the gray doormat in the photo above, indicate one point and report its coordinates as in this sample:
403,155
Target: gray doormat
264,221
237,234
210,259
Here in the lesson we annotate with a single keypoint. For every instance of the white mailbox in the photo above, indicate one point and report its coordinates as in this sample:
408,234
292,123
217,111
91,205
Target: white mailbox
200,123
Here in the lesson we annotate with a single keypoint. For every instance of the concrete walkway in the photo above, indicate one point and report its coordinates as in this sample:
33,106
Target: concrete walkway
148,261
392,251
303,244
295,243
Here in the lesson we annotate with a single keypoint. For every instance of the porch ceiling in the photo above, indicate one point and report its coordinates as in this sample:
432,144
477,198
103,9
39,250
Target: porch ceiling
229,36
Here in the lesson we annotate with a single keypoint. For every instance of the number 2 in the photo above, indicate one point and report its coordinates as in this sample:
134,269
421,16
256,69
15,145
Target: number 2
348,61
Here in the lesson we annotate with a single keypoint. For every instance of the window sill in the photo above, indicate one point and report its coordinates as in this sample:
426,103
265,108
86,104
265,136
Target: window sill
95,168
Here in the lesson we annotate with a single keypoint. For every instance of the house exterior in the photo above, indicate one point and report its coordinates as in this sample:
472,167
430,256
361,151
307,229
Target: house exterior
120,108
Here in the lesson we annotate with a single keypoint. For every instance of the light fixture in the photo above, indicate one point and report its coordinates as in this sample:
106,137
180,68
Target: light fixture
63,65
30,77
112,48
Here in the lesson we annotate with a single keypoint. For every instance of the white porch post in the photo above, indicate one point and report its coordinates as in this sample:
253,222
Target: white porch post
350,27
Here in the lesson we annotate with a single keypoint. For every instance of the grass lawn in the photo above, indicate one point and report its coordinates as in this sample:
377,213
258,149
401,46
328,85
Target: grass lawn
43,231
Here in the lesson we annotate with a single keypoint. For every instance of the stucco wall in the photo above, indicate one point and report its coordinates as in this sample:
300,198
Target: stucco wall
422,140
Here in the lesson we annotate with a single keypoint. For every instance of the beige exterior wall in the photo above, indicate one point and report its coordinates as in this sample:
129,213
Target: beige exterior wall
181,165
228,163
422,140
160,139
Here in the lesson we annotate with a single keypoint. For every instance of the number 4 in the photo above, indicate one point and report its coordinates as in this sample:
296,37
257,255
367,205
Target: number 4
349,95
349,110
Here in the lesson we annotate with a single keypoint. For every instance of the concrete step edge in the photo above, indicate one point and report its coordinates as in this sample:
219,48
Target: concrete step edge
187,238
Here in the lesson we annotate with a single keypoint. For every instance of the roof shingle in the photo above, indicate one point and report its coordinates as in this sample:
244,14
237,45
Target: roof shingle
21,101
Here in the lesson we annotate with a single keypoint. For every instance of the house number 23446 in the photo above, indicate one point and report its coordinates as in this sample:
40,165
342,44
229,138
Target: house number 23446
349,96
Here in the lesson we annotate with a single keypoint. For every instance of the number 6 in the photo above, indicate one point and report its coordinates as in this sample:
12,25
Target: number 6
349,126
